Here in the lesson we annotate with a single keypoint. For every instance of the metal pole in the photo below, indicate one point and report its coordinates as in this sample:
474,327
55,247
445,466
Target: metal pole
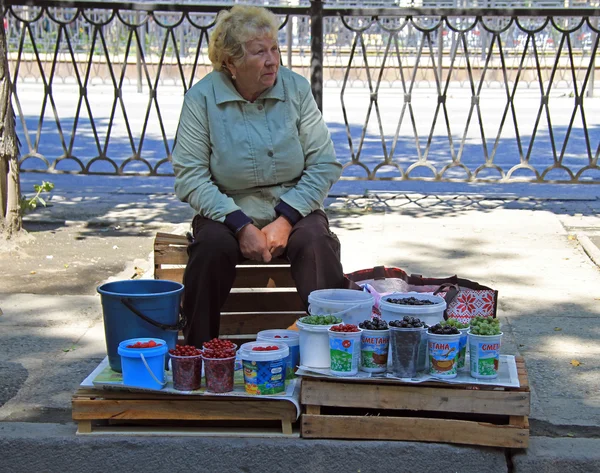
288,39
440,47
138,54
590,89
316,49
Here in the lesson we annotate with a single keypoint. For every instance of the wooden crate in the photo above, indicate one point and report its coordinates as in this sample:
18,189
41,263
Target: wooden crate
263,296
123,412
430,412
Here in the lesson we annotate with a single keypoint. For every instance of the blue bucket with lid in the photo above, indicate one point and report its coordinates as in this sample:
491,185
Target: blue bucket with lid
134,308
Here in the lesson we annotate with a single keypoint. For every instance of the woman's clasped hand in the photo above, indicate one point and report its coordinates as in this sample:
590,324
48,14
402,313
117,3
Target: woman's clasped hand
266,244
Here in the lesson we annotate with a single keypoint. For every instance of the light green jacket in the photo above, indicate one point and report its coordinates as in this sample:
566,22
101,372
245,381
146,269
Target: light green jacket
231,154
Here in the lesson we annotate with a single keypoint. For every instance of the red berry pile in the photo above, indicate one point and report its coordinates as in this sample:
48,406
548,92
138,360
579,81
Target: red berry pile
268,348
149,344
217,348
279,336
345,328
185,350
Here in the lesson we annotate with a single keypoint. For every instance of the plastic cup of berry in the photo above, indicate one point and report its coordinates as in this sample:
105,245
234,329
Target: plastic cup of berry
405,341
186,366
219,365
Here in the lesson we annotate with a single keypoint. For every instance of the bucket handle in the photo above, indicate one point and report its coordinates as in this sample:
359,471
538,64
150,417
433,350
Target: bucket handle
337,314
171,328
150,371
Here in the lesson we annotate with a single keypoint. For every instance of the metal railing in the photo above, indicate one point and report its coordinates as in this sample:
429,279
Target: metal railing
451,94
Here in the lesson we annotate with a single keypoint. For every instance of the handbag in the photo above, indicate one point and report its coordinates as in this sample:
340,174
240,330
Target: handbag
465,299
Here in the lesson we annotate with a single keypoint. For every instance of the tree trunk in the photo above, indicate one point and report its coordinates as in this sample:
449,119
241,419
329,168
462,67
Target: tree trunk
10,189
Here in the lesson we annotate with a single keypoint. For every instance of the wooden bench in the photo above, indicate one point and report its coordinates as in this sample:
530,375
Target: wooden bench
263,296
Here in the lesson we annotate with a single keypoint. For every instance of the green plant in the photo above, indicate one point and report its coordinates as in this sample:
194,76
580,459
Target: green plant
28,204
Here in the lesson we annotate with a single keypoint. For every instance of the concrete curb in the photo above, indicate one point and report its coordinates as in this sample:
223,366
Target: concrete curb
591,250
558,455
34,447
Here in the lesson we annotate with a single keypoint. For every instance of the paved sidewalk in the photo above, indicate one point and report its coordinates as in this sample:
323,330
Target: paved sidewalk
529,249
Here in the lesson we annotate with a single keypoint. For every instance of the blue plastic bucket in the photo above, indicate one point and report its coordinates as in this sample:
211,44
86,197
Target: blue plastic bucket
135,308
292,339
143,367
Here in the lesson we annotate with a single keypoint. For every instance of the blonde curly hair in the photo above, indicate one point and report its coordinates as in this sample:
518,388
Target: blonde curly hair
234,28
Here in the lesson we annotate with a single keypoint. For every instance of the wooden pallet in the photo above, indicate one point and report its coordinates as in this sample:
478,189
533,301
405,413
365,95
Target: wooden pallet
123,412
263,296
429,412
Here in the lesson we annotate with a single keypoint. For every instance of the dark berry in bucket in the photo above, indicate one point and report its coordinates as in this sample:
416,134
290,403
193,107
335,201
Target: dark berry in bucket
440,329
407,322
375,323
410,301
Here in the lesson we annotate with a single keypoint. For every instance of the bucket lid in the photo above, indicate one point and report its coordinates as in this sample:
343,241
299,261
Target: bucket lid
341,296
247,353
439,304
289,337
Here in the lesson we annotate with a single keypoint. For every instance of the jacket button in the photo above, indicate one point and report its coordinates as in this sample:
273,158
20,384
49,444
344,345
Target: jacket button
260,107
270,154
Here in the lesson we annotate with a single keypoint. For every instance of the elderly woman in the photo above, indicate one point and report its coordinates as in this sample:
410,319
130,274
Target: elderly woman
254,159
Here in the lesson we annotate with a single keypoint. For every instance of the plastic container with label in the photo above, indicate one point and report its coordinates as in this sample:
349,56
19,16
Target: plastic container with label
344,349
443,355
484,351
374,347
264,371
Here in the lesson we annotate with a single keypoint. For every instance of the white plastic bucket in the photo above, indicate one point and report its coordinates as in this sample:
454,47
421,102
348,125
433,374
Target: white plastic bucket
292,339
264,371
351,305
314,345
431,314
344,348
484,351
374,347
443,355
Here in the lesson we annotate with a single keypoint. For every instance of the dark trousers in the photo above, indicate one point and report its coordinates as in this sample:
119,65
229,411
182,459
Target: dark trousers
314,255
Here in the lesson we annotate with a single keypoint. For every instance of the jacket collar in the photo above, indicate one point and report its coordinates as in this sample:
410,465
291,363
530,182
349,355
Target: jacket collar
226,92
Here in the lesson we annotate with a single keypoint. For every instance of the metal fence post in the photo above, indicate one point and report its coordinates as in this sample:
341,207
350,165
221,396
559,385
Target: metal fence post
138,54
316,49
289,38
591,83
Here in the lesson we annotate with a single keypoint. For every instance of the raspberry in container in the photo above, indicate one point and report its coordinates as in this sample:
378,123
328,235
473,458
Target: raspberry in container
219,365
186,366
